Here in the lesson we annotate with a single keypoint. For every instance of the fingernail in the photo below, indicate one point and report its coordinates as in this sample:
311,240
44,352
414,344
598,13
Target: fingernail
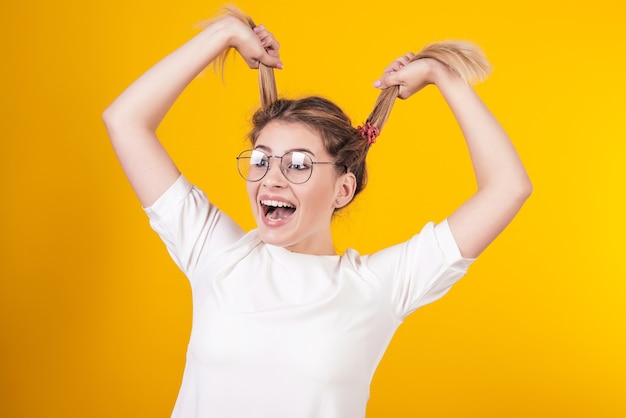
279,65
377,83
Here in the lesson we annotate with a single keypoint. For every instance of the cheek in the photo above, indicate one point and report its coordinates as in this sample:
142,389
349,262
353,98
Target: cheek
252,188
322,195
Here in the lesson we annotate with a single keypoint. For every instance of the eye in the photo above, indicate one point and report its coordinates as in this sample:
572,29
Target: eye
298,161
259,159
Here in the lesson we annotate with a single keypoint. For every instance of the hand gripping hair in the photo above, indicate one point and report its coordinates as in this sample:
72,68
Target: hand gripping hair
348,145
462,59
267,81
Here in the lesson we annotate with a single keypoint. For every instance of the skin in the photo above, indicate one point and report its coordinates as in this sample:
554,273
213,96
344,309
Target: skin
132,120
502,182
308,229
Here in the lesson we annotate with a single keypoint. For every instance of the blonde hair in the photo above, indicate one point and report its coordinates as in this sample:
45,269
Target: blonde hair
463,59
267,81
347,144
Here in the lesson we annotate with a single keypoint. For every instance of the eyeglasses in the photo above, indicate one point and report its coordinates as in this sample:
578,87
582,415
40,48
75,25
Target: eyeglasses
296,166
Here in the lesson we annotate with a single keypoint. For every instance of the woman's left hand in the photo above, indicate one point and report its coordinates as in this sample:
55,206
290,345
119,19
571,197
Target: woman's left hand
411,76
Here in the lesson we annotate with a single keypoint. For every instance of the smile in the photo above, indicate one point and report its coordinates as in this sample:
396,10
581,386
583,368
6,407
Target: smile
276,210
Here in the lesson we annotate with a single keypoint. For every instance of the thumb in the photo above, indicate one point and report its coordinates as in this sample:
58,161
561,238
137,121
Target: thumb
270,59
387,80
266,59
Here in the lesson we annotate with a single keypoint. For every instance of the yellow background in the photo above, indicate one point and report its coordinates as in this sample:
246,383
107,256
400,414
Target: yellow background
94,317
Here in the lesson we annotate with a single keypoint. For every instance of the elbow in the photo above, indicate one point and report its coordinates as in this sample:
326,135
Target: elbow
525,188
106,116
522,190
110,118
117,122
514,190
120,120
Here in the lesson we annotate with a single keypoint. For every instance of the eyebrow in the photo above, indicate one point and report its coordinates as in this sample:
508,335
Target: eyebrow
269,150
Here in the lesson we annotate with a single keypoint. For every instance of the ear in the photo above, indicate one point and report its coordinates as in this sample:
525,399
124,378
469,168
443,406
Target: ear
346,186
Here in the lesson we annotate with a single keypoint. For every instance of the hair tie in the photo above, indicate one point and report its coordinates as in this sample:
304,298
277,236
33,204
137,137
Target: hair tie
369,132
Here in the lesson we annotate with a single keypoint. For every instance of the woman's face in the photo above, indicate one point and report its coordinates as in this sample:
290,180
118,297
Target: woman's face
302,221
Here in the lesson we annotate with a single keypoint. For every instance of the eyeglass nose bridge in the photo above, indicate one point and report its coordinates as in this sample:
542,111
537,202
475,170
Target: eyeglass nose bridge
279,164
286,171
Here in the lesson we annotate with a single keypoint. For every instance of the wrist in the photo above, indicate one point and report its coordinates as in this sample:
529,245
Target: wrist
439,73
237,32
222,31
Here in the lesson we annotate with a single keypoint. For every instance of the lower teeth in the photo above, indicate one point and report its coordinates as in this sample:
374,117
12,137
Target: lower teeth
271,217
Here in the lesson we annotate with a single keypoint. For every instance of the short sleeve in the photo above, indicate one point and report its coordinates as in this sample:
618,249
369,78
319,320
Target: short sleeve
421,270
191,228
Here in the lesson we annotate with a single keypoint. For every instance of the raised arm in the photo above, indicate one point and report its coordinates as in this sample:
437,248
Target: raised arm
503,184
132,119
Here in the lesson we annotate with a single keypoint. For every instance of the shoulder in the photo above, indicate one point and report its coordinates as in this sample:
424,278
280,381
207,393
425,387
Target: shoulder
174,196
425,254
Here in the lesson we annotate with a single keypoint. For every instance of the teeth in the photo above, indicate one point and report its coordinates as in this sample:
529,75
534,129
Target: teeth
277,204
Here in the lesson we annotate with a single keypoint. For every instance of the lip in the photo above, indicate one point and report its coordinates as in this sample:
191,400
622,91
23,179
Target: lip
270,222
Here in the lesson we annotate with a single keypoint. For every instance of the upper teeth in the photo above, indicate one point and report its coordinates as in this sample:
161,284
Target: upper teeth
276,204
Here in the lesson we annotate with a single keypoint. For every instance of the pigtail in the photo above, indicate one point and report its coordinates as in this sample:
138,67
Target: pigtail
462,59
267,81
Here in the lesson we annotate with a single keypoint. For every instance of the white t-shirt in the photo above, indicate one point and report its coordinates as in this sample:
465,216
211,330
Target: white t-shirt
277,334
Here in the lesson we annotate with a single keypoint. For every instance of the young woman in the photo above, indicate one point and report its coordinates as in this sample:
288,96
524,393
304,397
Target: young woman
282,325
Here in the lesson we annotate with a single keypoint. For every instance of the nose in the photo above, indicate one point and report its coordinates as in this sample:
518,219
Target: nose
274,176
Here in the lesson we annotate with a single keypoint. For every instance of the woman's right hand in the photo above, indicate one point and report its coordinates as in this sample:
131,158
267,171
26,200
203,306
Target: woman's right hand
255,45
132,119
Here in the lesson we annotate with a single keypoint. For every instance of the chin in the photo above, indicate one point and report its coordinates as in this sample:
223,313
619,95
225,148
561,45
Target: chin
273,237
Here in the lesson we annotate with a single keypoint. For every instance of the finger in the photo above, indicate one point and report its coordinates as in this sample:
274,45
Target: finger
271,47
266,38
269,58
268,62
388,80
399,63
270,55
271,62
270,44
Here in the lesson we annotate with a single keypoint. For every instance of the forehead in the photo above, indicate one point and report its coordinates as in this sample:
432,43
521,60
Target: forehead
279,137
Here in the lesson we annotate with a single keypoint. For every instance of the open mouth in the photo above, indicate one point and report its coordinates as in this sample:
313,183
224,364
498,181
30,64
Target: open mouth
276,210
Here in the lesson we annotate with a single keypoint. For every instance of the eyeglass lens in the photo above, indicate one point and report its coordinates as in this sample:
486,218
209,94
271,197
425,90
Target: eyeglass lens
296,166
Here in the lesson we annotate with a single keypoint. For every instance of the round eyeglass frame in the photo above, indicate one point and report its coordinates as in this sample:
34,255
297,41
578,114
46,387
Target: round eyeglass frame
282,169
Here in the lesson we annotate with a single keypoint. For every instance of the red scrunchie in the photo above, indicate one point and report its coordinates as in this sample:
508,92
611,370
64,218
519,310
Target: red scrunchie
369,132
